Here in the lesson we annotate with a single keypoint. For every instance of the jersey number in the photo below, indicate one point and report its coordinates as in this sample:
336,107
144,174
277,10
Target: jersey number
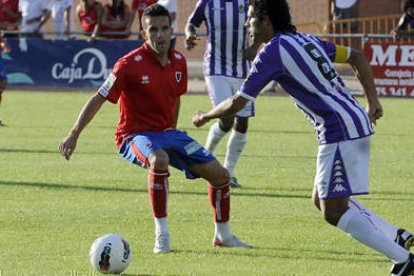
324,66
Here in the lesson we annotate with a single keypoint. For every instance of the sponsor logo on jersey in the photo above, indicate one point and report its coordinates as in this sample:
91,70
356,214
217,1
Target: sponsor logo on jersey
107,85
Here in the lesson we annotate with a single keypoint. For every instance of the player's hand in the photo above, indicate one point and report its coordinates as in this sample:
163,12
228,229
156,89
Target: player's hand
199,119
67,146
190,41
375,111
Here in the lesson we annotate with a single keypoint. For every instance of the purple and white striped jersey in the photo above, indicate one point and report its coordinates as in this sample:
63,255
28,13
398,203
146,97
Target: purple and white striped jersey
226,36
302,65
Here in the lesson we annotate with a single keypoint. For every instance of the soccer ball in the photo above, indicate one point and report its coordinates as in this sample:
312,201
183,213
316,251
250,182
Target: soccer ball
110,254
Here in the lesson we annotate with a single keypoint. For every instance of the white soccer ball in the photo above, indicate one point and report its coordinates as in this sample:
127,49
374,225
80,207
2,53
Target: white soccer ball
110,254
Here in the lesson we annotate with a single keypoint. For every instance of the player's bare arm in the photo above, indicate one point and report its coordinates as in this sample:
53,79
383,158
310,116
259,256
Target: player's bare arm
68,144
363,72
190,37
227,108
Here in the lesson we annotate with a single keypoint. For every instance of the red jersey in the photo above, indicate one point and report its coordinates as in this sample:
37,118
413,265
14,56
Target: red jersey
110,17
12,6
89,18
140,6
147,92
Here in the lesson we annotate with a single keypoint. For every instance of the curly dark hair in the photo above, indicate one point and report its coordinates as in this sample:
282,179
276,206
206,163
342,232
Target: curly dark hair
408,4
278,12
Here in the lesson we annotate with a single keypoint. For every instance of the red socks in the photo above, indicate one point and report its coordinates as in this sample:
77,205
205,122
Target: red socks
158,192
220,201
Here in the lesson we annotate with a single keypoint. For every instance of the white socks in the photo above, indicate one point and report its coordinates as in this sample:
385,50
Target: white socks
235,146
222,230
214,136
364,231
388,229
161,226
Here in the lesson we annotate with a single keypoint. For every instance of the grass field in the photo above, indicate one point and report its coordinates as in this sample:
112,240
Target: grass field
52,210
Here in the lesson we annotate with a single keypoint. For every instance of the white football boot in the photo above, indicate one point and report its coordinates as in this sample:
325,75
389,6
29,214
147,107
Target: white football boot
162,243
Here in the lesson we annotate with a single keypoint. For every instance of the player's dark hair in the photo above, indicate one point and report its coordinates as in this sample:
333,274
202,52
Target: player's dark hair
156,10
408,4
278,12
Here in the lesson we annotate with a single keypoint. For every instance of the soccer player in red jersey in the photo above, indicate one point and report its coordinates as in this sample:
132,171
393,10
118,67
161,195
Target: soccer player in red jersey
9,16
90,16
116,18
148,83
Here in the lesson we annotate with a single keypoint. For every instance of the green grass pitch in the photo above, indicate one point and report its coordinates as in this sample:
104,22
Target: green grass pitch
52,210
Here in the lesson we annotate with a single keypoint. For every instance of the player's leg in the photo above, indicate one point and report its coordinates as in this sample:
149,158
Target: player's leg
219,196
342,171
399,235
158,193
235,147
218,89
238,137
136,150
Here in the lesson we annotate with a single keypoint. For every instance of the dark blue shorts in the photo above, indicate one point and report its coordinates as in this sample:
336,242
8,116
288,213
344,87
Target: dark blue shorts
183,151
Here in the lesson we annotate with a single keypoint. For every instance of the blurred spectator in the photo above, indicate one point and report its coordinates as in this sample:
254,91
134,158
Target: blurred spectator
406,19
171,6
116,19
63,18
138,7
34,13
345,9
9,17
4,47
90,16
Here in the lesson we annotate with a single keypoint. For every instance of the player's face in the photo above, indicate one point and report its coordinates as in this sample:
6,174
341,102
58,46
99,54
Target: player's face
255,25
157,33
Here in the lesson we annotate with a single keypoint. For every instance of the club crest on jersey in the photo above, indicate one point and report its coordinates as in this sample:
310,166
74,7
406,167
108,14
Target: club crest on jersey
178,76
241,8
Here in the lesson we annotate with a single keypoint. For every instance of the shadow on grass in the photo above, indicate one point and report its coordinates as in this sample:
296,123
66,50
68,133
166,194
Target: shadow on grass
59,186
297,253
52,151
237,193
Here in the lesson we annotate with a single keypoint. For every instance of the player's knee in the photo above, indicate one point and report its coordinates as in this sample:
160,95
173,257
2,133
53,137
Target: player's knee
332,216
159,160
226,124
241,125
221,178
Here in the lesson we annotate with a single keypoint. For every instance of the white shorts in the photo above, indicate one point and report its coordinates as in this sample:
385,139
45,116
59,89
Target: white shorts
221,88
342,169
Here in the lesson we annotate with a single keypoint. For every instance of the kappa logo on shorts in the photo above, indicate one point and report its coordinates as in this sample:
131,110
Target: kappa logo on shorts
339,188
338,179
